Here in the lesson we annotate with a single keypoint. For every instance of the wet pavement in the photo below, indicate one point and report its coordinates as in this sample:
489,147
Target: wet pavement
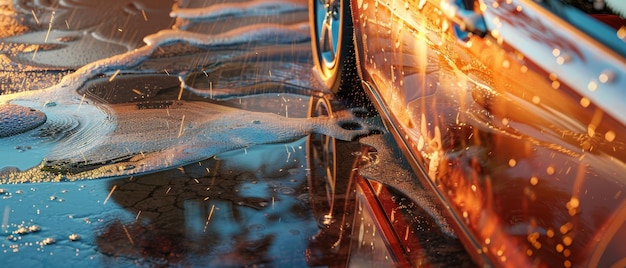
288,200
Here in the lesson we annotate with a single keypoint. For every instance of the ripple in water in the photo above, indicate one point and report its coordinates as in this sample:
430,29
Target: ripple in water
286,190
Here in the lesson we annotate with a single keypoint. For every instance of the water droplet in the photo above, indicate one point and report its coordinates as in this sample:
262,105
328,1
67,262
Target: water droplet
550,170
606,76
574,202
536,99
585,102
566,228
523,69
567,252
506,64
512,162
564,58
553,76
592,86
566,263
559,248
505,121
534,180
609,136
567,240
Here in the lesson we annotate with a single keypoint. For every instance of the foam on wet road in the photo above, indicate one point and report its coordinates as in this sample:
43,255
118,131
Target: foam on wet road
15,119
91,138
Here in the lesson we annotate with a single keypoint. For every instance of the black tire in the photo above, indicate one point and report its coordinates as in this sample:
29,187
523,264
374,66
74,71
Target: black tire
335,62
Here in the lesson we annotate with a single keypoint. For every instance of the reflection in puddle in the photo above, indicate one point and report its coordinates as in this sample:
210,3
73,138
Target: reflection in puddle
367,223
244,207
240,208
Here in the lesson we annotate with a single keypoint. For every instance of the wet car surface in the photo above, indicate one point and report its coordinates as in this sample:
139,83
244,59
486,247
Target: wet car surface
512,111
271,201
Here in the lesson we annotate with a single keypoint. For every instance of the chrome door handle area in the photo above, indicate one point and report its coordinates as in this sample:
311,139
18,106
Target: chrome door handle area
465,20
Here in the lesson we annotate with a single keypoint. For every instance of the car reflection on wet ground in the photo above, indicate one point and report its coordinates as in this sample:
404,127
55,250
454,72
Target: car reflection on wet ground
304,202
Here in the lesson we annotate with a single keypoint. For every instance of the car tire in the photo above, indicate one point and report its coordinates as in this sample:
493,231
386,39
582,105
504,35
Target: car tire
333,45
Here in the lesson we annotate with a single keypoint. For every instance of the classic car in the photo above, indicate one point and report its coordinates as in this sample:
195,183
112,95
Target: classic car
510,111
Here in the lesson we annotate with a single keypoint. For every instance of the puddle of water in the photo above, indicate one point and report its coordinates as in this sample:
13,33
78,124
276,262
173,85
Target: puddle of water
239,208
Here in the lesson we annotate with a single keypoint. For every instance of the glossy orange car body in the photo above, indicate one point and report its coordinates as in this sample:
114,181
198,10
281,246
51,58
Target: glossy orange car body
513,112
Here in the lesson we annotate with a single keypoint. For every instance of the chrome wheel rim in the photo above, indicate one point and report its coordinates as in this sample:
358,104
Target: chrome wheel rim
327,29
